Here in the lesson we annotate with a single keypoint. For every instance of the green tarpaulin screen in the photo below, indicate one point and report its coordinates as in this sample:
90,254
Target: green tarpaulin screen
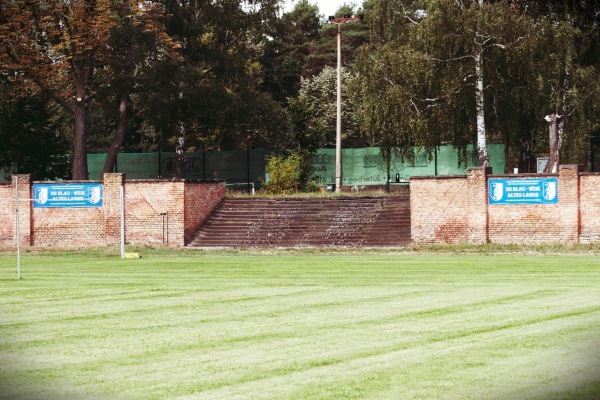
364,166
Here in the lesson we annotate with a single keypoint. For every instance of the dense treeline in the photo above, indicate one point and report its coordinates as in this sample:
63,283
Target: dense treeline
180,75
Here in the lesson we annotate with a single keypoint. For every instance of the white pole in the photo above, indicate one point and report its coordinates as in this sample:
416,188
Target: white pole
338,130
122,201
18,238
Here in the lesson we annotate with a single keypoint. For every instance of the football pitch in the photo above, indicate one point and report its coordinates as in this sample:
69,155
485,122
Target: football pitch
300,325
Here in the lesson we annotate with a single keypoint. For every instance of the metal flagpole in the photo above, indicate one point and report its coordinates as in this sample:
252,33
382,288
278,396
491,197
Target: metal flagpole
18,238
338,124
122,200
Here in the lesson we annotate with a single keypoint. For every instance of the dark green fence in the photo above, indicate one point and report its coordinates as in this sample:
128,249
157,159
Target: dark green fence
364,166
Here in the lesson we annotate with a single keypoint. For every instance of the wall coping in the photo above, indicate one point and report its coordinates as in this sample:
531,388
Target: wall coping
59,182
438,177
527,175
206,181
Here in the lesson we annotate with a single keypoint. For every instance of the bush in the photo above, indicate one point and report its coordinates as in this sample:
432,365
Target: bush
283,174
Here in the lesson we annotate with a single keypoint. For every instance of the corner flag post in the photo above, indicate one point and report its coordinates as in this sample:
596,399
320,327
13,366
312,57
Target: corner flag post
18,234
122,201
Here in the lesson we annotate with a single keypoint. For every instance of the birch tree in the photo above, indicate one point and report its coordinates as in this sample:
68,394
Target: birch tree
451,48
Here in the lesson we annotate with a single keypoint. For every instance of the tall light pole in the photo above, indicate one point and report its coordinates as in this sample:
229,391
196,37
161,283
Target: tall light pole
338,126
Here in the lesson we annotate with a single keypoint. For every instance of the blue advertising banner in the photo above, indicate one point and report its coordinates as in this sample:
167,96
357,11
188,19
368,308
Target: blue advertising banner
523,191
65,195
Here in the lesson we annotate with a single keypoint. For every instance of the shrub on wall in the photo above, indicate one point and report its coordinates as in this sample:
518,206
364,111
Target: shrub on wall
283,173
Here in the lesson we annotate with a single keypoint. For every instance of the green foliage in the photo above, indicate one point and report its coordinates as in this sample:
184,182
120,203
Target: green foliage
569,85
283,174
31,138
289,174
538,58
314,111
216,90
324,49
305,180
389,90
285,55
419,73
47,46
236,74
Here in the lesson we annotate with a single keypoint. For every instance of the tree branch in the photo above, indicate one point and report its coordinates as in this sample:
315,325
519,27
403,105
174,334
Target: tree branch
405,14
448,60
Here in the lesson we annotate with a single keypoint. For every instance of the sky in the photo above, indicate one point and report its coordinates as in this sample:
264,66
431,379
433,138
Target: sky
326,7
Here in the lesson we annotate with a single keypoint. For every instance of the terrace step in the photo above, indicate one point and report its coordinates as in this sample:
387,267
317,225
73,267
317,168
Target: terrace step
344,221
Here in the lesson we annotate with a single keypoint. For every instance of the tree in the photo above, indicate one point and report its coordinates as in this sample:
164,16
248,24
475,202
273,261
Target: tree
391,94
427,61
31,137
314,111
283,172
324,48
212,94
134,41
284,59
59,49
568,78
55,46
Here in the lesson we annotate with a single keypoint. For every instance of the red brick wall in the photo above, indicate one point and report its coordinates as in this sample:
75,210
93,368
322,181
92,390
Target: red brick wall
548,223
145,201
438,207
442,214
477,200
156,213
111,207
443,210
7,216
8,208
67,227
200,200
589,190
524,223
568,202
168,212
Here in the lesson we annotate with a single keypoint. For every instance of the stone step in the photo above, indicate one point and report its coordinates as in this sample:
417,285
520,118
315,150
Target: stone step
305,221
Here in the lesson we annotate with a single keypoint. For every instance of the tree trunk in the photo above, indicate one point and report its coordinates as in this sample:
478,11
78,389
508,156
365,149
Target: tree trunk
83,73
554,134
180,160
526,157
80,167
482,153
115,147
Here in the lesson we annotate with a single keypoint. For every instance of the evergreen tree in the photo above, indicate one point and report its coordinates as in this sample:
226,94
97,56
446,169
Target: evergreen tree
32,140
284,60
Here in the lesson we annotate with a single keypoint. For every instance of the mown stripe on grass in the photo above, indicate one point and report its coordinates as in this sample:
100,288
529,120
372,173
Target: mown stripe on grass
263,328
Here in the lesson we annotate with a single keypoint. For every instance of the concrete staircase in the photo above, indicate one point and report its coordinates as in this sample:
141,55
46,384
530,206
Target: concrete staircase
341,221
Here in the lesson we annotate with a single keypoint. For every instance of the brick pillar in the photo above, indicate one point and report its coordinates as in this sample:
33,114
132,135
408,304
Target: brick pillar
25,206
111,206
478,204
568,201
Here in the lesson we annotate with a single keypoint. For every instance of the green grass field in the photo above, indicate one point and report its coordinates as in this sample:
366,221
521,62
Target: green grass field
300,325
